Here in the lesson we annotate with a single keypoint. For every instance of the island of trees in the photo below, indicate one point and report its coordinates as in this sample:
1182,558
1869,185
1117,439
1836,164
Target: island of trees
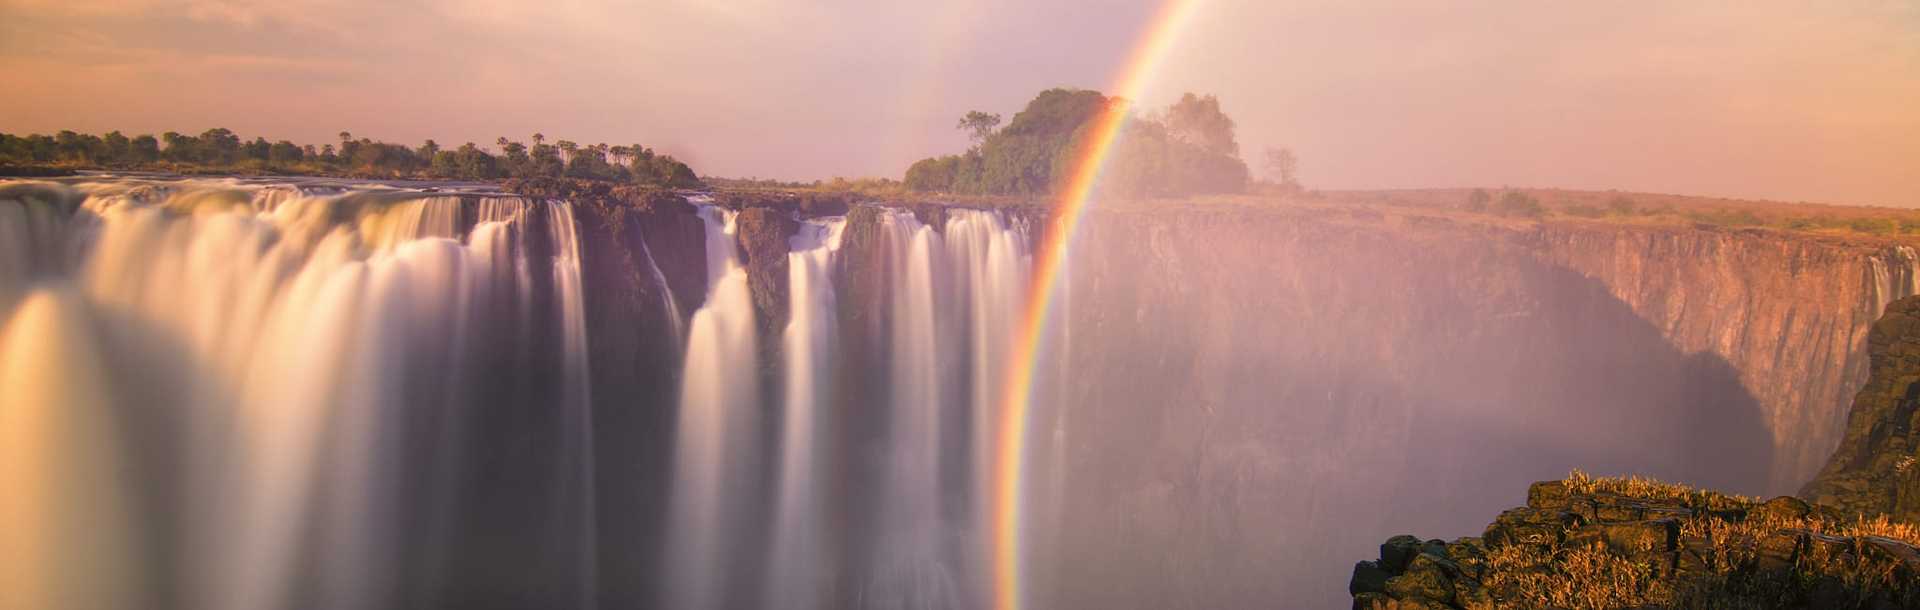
1187,148
220,150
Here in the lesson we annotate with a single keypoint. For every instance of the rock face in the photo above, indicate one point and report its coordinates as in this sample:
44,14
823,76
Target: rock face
644,268
1788,312
1874,472
1237,381
1584,543
763,234
1230,382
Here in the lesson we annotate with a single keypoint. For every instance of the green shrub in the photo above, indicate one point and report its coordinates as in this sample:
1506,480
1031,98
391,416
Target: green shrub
1583,210
1874,226
1620,206
1519,205
1477,200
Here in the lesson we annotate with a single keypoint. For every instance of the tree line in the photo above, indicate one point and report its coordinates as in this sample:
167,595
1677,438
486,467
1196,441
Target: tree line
1185,149
221,150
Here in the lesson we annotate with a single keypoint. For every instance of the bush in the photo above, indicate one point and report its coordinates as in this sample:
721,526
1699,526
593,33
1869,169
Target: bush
1477,200
1583,210
1620,206
1519,205
1874,226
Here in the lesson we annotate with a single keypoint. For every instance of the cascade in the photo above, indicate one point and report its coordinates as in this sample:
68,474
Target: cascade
796,580
292,359
714,455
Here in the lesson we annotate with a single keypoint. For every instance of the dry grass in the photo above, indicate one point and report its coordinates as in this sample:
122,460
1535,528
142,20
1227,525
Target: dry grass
1640,488
1836,568
1583,578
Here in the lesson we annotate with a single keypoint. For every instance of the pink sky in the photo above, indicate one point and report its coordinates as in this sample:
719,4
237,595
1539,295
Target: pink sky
1811,101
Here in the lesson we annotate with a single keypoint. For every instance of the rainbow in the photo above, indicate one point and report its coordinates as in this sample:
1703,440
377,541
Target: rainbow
1017,401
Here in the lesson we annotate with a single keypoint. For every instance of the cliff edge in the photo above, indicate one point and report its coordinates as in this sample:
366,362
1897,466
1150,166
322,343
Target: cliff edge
1874,472
1635,543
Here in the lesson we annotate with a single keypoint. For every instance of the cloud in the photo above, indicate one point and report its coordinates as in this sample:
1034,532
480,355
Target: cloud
1775,98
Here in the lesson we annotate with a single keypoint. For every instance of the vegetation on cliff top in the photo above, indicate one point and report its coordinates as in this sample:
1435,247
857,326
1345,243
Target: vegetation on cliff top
220,150
1187,148
1616,207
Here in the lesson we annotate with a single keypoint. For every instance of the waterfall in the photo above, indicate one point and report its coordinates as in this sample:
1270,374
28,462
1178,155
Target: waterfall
676,324
67,539
284,355
953,306
796,578
990,279
304,393
714,452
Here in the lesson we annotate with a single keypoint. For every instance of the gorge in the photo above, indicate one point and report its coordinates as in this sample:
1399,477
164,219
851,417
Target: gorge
301,392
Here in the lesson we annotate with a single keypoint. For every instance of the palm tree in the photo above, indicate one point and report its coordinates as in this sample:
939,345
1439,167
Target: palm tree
538,138
503,143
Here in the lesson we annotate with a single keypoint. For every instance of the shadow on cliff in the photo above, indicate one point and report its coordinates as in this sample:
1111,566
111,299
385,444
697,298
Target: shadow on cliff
1254,406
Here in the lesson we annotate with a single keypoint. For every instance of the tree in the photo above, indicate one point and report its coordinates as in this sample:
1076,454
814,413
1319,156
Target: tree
1516,203
119,148
933,174
284,153
1477,200
146,149
979,125
1284,167
428,150
1199,121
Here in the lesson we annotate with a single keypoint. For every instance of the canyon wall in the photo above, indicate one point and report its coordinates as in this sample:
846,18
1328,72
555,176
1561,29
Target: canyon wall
1246,388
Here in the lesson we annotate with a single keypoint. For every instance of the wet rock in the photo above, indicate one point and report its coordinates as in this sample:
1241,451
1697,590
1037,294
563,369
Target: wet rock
1368,577
763,235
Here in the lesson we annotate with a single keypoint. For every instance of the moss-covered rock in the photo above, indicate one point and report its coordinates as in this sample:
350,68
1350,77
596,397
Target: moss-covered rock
1633,543
1875,471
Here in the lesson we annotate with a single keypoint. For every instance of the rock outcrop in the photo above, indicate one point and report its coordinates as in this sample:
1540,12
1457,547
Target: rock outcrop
1874,471
763,235
1630,543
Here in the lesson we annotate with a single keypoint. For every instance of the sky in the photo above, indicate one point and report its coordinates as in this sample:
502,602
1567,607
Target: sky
1813,101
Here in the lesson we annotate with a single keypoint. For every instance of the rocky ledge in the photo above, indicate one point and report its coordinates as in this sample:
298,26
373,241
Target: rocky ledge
1634,543
1873,472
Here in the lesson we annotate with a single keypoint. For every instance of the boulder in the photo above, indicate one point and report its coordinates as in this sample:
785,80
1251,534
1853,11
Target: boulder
1368,577
1397,551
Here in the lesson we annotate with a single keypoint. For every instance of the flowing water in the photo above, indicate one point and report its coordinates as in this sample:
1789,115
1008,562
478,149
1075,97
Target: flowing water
285,373
233,394
306,393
